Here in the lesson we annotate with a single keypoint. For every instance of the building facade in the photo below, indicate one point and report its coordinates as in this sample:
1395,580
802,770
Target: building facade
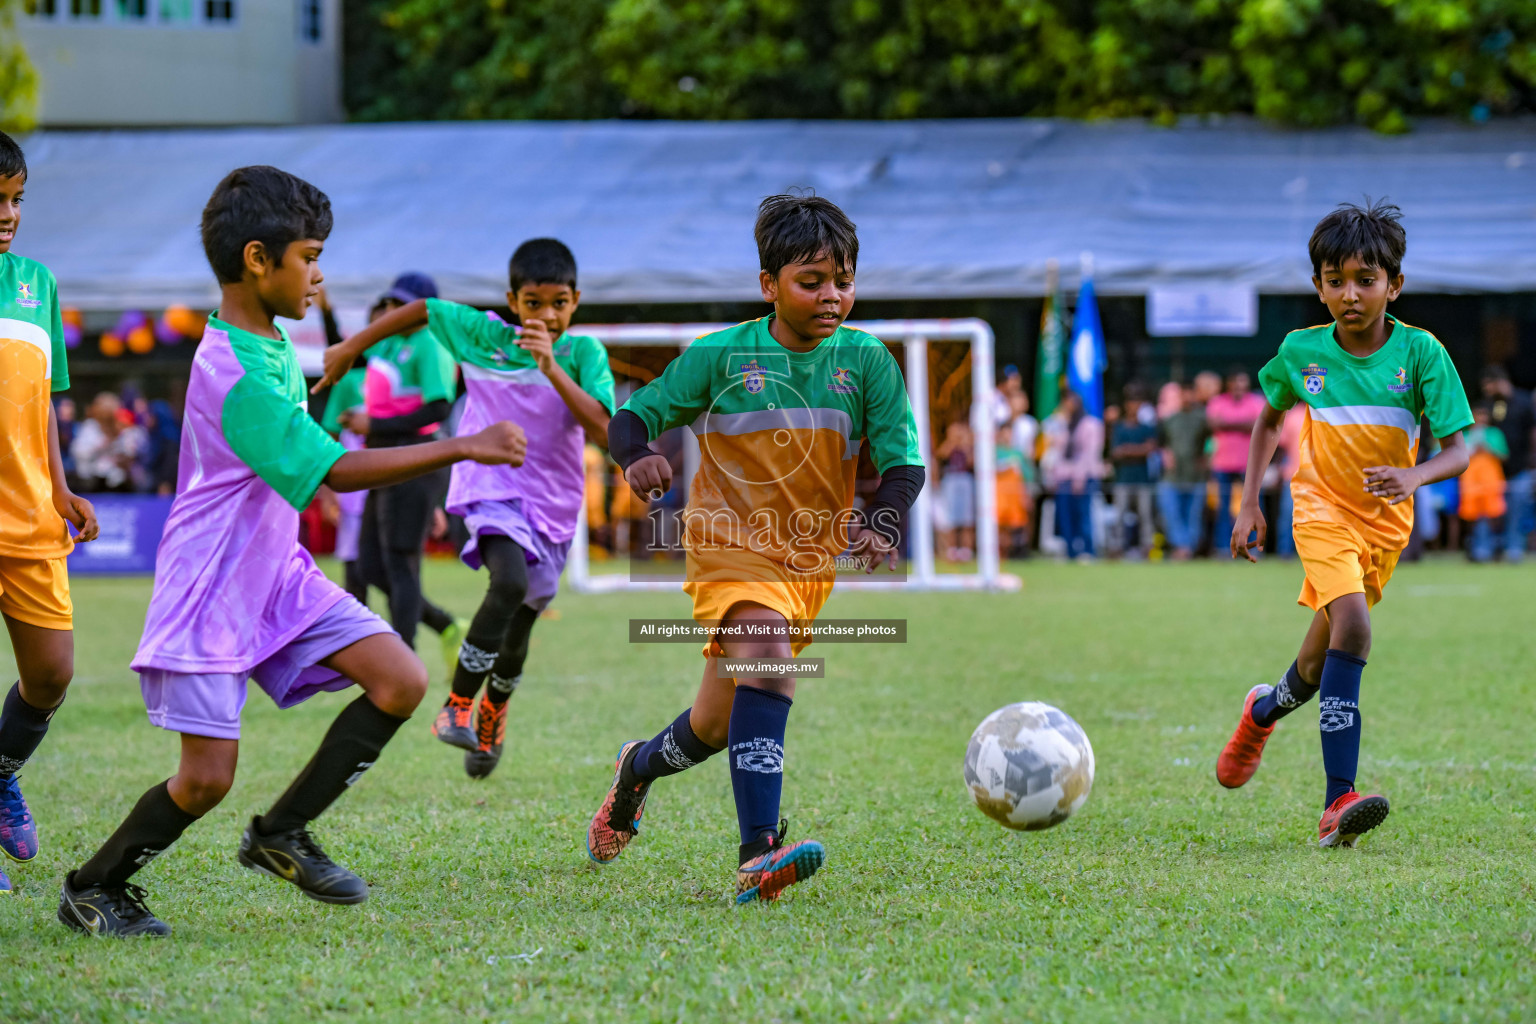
143,63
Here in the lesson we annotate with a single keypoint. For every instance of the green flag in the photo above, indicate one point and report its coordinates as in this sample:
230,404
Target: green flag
1049,366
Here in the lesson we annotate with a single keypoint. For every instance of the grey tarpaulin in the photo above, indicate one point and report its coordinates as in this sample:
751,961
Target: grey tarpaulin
662,212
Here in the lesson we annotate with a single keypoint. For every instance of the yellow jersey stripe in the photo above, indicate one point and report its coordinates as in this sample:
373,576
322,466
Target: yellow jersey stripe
32,334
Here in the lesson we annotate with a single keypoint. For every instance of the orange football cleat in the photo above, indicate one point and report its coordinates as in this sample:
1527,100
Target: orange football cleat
1240,757
1349,817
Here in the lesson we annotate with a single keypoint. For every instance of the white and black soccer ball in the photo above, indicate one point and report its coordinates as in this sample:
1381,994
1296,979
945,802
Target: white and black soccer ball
1029,766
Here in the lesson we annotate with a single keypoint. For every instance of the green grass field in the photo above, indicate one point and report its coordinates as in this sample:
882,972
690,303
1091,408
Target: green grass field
1166,899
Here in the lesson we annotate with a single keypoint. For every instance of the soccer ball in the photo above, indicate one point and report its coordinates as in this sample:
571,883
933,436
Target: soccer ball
1029,766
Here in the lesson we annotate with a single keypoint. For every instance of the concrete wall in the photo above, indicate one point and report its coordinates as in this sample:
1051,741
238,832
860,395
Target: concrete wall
255,70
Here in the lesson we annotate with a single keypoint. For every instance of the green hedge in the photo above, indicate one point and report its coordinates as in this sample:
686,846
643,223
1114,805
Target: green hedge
1302,62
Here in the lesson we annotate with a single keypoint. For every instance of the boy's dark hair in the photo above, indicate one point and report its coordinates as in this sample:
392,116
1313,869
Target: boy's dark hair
1373,232
12,160
1494,372
804,228
541,261
260,204
1134,391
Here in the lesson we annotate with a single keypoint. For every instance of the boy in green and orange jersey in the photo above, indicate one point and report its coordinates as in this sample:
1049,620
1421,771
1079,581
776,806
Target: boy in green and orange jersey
1367,380
780,406
35,503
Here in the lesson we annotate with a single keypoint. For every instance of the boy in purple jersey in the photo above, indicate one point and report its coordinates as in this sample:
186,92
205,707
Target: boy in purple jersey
236,597
521,520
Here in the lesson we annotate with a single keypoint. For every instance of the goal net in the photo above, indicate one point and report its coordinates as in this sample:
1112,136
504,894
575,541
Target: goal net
948,368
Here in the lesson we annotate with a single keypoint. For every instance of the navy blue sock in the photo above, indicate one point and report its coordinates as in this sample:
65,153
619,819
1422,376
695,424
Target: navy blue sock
22,728
1338,719
1290,693
756,743
674,749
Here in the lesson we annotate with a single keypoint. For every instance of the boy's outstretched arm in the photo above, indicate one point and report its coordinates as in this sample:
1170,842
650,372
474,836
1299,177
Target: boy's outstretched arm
500,444
1250,517
400,320
589,412
1397,483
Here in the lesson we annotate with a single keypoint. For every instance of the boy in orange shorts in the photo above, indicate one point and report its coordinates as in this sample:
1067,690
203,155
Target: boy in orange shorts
780,406
1367,380
35,503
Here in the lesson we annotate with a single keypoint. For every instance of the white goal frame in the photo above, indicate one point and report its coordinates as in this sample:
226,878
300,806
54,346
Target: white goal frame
914,336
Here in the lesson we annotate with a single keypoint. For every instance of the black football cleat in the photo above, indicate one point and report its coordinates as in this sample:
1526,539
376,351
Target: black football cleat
116,910
296,857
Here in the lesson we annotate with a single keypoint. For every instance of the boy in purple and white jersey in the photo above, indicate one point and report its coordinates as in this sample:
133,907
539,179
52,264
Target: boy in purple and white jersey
522,519
236,596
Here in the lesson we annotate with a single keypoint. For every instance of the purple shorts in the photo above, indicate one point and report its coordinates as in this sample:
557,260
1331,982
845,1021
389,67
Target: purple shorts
349,526
546,559
209,703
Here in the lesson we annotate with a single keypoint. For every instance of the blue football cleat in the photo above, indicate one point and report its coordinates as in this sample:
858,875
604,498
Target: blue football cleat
18,833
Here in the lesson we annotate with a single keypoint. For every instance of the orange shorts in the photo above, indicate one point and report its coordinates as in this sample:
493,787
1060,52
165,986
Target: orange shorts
749,578
1339,561
36,591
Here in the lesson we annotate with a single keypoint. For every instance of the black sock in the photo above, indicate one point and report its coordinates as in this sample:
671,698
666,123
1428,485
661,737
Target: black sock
1290,693
756,742
475,661
1338,720
435,618
350,747
675,749
507,564
149,830
22,728
507,672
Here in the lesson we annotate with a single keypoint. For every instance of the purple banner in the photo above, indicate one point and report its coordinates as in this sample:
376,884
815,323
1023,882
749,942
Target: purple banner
131,525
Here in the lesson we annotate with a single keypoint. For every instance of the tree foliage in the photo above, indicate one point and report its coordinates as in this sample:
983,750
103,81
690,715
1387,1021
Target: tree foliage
18,81
1304,62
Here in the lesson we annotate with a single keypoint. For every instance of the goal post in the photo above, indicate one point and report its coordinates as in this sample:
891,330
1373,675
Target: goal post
914,337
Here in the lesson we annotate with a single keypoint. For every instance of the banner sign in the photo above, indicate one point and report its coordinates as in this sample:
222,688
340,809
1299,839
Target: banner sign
131,525
1181,312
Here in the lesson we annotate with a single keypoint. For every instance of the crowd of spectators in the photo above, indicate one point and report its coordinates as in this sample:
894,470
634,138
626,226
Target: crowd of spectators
121,444
1160,475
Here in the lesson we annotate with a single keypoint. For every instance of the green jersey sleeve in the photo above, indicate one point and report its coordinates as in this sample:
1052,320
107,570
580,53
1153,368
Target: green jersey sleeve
277,438
592,373
1445,400
59,374
682,392
347,394
888,420
1275,382
466,333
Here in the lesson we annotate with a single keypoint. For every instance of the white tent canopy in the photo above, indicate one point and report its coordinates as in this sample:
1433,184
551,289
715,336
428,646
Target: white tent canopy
662,211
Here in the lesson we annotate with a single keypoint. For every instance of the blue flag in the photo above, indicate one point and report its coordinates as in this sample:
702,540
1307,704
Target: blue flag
1085,367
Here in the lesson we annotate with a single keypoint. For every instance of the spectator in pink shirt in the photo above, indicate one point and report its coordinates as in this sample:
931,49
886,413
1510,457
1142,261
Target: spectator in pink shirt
1231,416
1075,466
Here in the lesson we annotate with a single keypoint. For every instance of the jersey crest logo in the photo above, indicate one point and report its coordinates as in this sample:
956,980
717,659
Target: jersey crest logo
842,382
26,297
752,377
1402,383
1313,378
